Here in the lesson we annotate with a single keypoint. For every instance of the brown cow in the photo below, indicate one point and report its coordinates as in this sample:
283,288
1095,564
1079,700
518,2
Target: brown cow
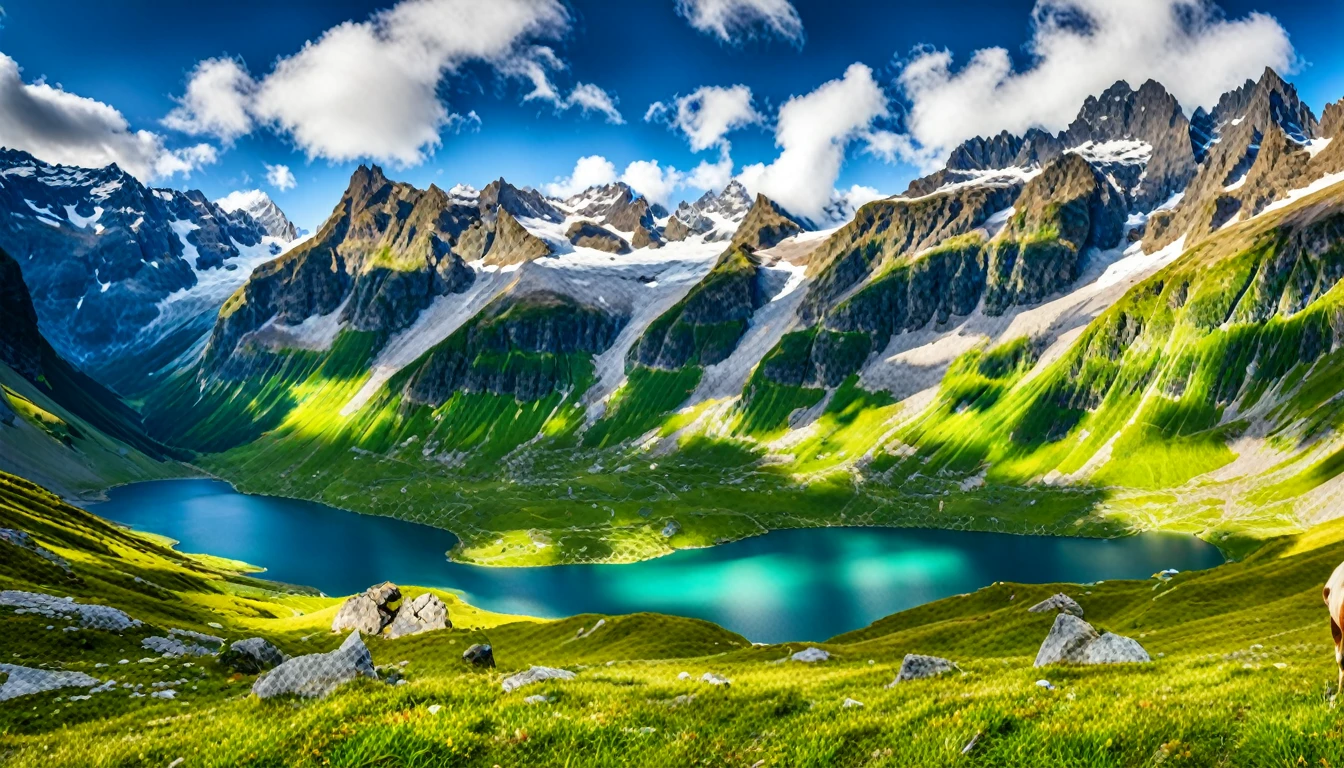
1334,600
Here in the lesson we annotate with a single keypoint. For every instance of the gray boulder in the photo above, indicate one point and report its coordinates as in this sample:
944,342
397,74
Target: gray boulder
209,641
423,614
917,667
535,675
1115,649
369,611
318,674
23,681
810,655
252,656
479,656
1059,603
1067,642
671,529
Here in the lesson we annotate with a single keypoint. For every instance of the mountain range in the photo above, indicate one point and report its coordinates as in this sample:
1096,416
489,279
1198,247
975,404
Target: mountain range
1133,322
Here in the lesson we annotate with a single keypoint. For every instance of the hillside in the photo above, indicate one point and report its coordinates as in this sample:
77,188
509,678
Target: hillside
57,425
1043,324
1242,667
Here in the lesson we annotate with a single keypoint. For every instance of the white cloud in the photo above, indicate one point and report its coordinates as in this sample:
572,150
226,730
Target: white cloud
370,89
589,98
280,177
813,132
216,101
57,126
707,175
653,180
650,178
590,171
241,199
733,20
1079,48
707,115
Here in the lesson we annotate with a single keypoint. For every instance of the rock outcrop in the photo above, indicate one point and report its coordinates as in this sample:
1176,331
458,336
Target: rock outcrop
534,675
89,616
811,655
586,234
425,613
766,225
317,675
1074,641
1067,642
368,612
917,667
479,655
1058,603
252,656
24,681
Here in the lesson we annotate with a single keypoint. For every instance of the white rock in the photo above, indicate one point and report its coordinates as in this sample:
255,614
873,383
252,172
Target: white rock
535,675
713,679
811,655
851,703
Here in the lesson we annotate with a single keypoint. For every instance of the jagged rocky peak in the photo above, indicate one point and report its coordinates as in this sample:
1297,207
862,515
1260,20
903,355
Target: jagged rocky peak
1074,202
382,256
102,254
1332,119
520,202
1140,139
766,225
716,216
263,210
1237,177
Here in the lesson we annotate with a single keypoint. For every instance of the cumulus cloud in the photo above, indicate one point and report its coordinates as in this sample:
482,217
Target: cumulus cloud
706,116
590,171
1079,48
280,177
735,20
370,89
650,178
813,132
215,102
62,127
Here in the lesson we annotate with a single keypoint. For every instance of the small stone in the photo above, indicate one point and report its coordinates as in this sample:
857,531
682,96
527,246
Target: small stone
849,703
252,656
713,679
434,708
1046,684
169,694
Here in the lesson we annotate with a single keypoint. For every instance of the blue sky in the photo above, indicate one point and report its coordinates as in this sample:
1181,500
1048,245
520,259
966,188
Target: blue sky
138,57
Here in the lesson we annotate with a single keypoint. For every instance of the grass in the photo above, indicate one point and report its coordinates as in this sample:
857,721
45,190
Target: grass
1242,662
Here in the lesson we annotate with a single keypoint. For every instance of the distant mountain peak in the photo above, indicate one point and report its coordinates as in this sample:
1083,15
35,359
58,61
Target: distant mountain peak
263,209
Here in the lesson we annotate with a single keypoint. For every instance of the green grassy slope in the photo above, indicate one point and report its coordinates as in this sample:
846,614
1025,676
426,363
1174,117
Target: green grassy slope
1242,664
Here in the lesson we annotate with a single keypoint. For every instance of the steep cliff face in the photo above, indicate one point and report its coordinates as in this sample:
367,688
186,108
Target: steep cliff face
1141,139
24,350
766,225
1265,114
103,254
887,230
381,258
526,346
1063,212
705,327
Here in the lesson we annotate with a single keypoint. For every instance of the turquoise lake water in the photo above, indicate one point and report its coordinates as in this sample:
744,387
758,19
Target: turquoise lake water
808,584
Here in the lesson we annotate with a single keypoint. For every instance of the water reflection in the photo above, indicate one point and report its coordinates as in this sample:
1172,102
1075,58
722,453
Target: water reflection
788,585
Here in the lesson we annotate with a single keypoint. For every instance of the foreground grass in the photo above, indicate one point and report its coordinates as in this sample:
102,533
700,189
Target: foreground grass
1242,663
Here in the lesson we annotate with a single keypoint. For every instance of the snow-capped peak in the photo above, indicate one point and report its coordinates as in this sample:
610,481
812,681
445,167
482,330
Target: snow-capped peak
259,206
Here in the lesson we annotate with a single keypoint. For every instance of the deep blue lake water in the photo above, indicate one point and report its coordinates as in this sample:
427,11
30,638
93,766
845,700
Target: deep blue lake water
808,584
